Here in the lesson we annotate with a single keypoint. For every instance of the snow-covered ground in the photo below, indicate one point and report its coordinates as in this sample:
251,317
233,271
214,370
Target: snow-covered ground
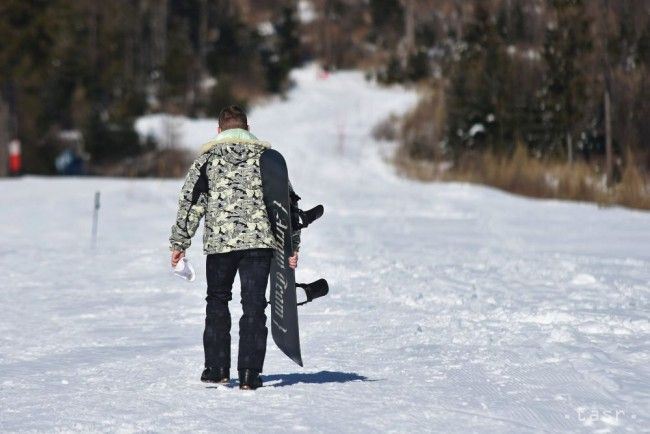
453,308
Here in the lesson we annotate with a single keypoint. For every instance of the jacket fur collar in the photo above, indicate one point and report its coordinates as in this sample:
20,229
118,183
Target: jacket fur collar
231,136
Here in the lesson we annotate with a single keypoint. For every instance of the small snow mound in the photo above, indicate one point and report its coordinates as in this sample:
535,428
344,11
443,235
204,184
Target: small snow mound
548,318
583,279
592,327
560,336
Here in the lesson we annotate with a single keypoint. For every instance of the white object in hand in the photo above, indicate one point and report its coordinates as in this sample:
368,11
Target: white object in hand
185,270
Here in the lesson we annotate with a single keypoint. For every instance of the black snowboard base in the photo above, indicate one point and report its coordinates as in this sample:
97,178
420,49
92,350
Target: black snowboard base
285,216
284,309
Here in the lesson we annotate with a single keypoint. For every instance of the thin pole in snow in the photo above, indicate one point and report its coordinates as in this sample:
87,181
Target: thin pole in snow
340,137
95,217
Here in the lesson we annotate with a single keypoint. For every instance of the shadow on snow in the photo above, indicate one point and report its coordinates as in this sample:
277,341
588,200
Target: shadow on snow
312,378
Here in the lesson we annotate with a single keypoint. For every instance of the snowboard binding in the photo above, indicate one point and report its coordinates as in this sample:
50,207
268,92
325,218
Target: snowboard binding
301,219
313,290
316,289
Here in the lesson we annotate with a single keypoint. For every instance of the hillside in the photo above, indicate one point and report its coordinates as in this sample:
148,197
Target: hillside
453,308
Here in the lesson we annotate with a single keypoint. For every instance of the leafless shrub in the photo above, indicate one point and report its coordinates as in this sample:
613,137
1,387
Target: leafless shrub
387,129
167,163
525,175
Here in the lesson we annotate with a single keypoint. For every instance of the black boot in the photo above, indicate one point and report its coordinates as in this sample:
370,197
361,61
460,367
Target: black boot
216,375
249,379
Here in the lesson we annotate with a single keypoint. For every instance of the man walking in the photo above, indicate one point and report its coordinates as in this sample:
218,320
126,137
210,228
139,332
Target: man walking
224,186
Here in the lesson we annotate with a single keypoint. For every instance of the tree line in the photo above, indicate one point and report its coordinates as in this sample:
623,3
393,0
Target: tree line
566,79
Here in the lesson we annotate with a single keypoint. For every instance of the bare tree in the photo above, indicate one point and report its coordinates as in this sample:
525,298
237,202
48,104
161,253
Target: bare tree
609,163
409,27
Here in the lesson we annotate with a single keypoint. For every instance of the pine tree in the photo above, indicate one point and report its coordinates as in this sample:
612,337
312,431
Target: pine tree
288,29
477,110
387,21
643,46
565,94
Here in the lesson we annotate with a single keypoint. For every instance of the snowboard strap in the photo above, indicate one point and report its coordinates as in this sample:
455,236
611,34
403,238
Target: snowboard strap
313,290
301,219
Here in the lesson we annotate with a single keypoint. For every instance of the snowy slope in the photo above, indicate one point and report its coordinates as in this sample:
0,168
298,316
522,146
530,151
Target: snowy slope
453,308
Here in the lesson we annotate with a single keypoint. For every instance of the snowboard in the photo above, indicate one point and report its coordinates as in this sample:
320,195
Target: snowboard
284,308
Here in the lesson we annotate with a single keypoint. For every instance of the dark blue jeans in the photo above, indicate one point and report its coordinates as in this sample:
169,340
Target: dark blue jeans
254,266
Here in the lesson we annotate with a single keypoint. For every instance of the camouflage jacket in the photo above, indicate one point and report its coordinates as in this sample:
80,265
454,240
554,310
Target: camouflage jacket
224,186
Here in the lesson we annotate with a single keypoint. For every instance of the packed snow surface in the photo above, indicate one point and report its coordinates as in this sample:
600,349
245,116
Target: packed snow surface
453,308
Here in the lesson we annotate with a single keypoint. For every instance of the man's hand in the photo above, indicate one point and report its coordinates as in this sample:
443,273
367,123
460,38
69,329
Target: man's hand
176,256
293,261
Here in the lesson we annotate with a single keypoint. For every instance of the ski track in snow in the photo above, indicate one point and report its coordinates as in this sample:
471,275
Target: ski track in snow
453,308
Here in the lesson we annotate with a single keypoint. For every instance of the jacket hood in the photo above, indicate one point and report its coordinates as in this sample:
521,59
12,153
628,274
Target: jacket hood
231,136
